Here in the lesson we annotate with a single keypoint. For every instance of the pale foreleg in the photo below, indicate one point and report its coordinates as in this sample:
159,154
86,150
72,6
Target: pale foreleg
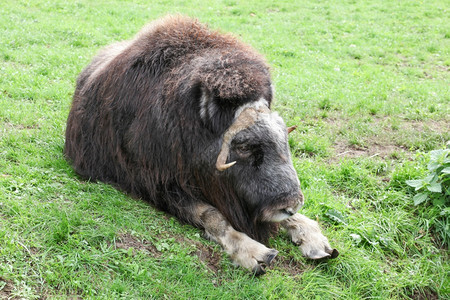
306,233
242,250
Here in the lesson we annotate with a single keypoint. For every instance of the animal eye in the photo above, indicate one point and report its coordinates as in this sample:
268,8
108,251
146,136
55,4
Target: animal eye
243,150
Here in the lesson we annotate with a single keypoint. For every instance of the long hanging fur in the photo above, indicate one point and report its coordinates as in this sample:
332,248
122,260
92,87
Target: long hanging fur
140,119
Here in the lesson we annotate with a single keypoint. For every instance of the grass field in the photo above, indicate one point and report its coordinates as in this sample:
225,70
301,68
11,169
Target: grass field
367,82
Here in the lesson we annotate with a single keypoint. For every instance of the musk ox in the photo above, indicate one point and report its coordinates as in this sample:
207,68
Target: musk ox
180,116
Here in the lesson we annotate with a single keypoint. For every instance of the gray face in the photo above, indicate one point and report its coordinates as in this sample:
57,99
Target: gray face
263,174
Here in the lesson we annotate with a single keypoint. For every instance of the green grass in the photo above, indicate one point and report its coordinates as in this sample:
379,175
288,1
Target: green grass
367,84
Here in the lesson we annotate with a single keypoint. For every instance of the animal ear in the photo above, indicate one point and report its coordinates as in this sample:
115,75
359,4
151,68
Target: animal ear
292,128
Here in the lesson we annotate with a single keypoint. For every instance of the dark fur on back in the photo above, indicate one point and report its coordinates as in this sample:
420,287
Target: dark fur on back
135,119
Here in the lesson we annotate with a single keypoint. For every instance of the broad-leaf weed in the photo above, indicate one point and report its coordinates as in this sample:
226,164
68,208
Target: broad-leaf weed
434,189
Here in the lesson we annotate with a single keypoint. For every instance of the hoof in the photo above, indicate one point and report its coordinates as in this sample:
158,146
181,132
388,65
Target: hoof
333,253
270,257
259,270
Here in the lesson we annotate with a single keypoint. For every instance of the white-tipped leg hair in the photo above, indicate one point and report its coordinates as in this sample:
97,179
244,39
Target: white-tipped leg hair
307,234
243,250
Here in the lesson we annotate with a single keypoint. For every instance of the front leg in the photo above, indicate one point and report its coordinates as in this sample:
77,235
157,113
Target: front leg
243,250
306,233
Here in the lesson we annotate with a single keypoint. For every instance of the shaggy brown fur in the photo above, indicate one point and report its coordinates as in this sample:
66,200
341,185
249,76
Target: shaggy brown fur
135,120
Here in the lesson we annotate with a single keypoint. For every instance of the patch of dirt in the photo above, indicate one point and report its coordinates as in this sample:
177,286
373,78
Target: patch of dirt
273,10
205,253
343,149
34,251
5,292
386,137
127,241
21,126
208,256
290,265
426,295
423,126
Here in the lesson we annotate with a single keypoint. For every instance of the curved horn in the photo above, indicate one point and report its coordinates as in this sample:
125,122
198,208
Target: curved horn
292,128
221,164
244,120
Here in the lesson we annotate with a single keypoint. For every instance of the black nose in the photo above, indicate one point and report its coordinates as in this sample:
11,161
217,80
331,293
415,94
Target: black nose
289,211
